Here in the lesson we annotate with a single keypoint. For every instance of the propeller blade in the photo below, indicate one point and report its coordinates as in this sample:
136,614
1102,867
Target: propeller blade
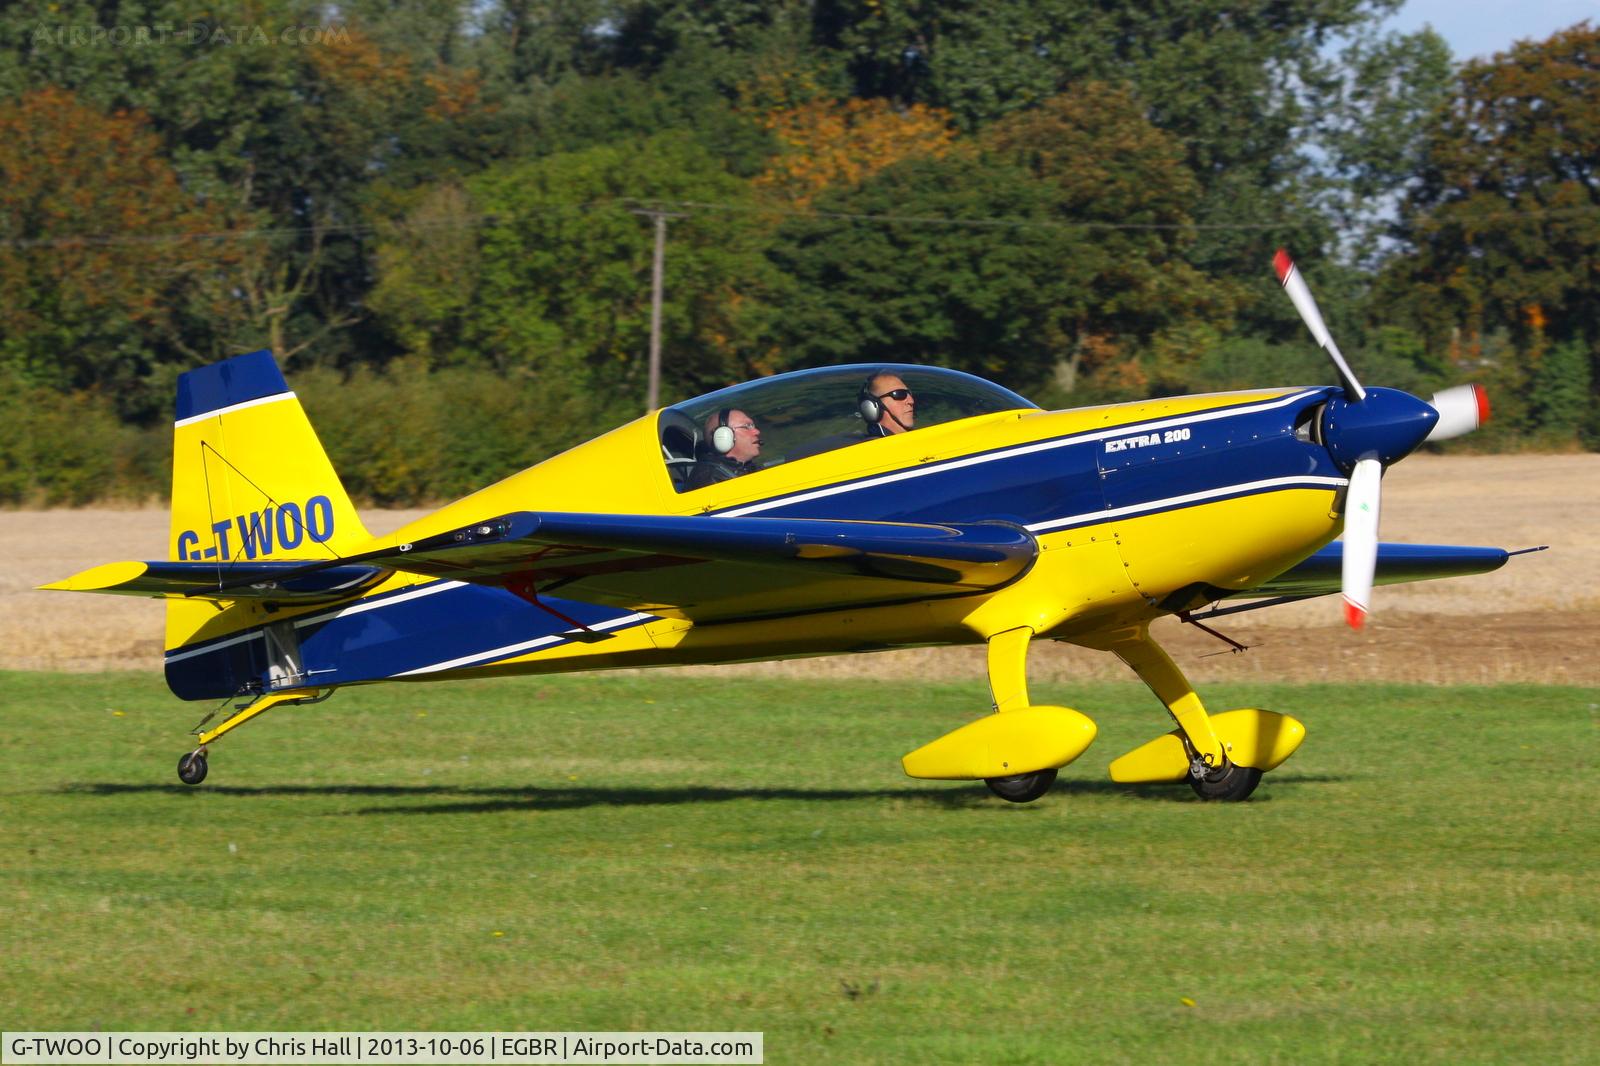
1462,409
1301,295
1360,540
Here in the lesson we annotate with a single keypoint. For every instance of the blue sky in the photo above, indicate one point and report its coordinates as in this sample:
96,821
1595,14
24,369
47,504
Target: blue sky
1479,28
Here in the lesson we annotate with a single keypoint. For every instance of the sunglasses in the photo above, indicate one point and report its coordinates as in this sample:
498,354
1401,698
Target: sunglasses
895,394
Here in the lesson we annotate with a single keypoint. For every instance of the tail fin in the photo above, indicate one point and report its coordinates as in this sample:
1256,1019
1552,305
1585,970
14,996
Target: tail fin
250,479
250,482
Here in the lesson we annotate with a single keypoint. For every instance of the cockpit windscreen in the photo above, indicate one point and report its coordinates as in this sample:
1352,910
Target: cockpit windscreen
793,416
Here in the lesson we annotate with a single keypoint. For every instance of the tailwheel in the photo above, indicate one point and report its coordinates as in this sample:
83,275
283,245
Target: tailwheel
192,767
1229,783
1022,788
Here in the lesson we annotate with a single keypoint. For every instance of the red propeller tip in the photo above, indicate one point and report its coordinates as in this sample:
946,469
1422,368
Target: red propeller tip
1283,265
1354,614
1482,395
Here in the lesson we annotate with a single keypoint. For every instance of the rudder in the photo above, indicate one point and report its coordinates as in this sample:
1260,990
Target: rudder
250,479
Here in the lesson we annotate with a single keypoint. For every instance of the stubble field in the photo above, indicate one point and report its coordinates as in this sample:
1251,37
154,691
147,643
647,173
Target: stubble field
1533,621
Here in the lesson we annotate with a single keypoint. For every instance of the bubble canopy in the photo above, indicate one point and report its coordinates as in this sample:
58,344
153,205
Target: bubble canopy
808,412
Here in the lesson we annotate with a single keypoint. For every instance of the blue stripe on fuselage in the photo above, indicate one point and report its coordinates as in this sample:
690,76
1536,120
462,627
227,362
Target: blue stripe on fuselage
1084,478
409,631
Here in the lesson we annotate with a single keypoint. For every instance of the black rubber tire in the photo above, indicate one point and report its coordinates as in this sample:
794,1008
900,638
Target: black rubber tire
1022,788
192,768
1229,785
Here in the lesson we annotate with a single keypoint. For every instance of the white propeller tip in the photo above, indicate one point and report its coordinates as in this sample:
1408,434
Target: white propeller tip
1462,409
1360,540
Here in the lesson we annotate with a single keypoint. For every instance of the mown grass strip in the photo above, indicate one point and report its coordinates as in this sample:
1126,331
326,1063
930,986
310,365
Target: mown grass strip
669,852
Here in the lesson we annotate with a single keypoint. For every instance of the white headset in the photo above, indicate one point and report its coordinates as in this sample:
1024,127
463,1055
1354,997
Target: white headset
723,437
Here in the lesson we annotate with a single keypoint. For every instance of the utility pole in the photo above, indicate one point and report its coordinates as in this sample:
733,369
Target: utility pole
652,395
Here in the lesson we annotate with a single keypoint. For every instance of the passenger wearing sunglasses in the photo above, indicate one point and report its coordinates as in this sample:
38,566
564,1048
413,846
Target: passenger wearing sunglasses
886,405
883,403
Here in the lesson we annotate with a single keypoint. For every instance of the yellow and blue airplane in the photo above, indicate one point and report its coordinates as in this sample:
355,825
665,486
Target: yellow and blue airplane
991,521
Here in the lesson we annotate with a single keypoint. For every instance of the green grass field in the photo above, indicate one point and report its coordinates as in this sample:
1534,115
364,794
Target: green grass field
661,852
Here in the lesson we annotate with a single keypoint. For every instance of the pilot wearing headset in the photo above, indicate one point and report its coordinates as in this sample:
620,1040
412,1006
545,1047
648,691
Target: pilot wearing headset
732,448
886,405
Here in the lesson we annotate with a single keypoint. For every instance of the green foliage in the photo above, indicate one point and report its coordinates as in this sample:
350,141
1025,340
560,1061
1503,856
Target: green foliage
1243,362
623,107
985,60
428,266
1502,367
1393,357
1126,185
279,119
1496,275
1085,204
80,311
1501,226
409,436
1028,273
1563,394
1374,127
724,44
557,281
970,294
69,450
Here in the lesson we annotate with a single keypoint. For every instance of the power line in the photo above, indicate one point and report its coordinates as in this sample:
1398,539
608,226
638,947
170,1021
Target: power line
637,206
629,204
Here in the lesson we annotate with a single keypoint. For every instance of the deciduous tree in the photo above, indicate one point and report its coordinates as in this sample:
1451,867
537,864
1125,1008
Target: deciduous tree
1127,185
555,286
99,243
827,142
992,290
1503,228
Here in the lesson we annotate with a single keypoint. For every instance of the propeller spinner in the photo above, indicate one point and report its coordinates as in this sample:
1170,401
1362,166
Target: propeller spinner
1367,430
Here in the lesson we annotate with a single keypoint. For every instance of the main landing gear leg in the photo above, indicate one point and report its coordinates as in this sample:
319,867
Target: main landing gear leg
1008,689
192,767
1017,750
1222,756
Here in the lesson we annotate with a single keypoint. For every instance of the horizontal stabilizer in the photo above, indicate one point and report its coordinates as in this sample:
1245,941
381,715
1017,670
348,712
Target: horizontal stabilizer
284,580
1398,564
1322,573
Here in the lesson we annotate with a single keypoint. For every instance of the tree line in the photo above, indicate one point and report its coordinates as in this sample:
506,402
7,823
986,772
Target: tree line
439,214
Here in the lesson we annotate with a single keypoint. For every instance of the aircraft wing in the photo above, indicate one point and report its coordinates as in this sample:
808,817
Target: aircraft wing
713,568
696,567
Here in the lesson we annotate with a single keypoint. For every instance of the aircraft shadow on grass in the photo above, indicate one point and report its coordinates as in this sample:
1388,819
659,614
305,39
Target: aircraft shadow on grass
451,799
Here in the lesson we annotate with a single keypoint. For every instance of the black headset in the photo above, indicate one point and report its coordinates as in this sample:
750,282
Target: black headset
723,437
